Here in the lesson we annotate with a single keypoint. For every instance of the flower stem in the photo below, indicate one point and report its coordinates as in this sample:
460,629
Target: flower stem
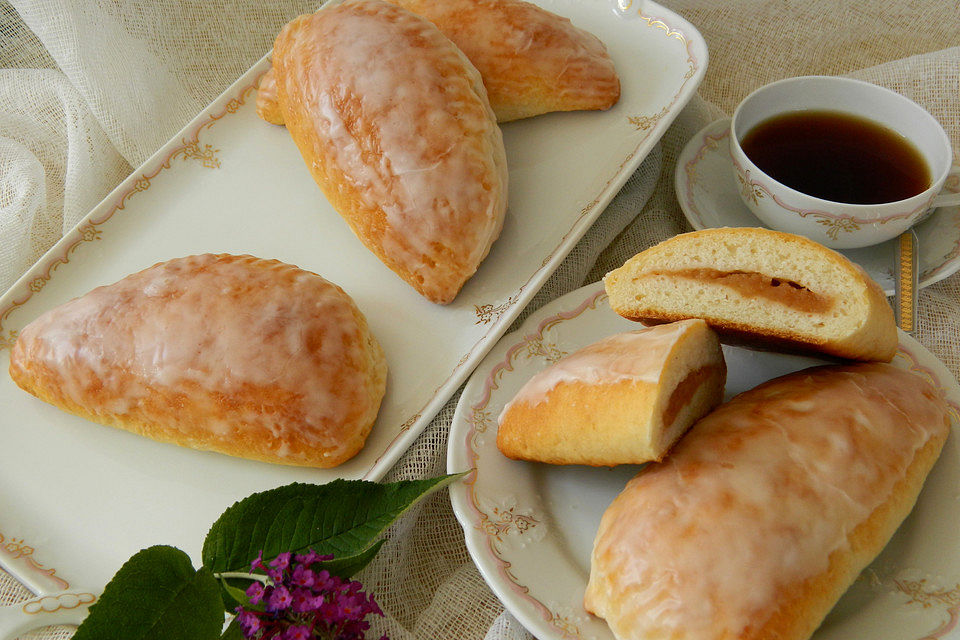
226,575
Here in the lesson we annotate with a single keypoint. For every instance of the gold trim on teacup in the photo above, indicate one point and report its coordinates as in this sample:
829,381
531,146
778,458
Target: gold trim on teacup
835,223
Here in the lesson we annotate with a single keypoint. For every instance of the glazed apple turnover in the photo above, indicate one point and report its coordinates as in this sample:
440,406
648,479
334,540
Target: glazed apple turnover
768,509
248,357
532,61
394,124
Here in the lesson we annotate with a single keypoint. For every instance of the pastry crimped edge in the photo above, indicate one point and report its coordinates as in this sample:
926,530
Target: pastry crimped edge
370,223
33,377
874,339
514,93
519,89
621,422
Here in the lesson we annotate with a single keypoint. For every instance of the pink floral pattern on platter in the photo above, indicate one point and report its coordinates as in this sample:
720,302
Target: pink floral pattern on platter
90,230
952,183
479,419
710,143
953,254
643,123
946,627
18,557
913,364
918,592
59,602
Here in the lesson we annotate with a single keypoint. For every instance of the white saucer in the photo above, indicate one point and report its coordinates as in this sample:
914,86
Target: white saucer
709,198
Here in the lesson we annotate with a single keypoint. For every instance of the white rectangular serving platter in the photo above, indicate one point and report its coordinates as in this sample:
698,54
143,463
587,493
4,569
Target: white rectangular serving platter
77,499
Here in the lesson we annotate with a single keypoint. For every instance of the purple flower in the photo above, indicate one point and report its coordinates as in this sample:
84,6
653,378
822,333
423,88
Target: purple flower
310,557
349,605
303,600
249,622
280,599
281,562
302,576
298,632
352,630
303,604
255,592
323,582
329,612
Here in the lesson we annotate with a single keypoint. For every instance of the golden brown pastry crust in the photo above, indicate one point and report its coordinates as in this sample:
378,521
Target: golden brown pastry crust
267,106
621,400
394,125
532,61
249,357
760,286
769,508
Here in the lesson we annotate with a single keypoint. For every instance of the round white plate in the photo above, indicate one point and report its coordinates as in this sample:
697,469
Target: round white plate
709,198
529,527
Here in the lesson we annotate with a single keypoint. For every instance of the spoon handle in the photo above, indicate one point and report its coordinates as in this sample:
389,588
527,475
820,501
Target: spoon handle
907,287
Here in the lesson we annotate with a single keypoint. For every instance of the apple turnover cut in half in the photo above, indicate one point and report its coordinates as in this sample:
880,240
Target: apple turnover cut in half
393,123
624,399
532,61
759,285
248,357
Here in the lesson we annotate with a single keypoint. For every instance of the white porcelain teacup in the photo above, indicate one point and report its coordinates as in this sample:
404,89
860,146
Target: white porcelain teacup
837,224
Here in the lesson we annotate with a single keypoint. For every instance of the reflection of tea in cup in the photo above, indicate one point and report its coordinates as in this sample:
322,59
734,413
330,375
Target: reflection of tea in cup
844,162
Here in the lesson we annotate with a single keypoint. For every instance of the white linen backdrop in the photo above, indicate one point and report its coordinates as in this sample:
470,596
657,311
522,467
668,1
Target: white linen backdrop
90,88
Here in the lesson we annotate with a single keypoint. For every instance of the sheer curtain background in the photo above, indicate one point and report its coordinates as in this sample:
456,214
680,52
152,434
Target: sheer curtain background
89,89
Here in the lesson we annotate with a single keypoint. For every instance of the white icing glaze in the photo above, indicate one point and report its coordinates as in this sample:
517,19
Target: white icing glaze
755,498
207,330
390,110
635,355
517,43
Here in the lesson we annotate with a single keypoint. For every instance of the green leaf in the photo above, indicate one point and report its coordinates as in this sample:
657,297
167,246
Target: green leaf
233,595
156,595
343,517
347,566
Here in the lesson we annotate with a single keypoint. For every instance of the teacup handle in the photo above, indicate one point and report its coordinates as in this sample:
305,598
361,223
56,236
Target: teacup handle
948,198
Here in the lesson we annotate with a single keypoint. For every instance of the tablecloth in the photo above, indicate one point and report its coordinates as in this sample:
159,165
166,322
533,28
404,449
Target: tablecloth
89,89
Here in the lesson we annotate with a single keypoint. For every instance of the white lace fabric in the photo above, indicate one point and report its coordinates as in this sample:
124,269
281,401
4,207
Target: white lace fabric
88,90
